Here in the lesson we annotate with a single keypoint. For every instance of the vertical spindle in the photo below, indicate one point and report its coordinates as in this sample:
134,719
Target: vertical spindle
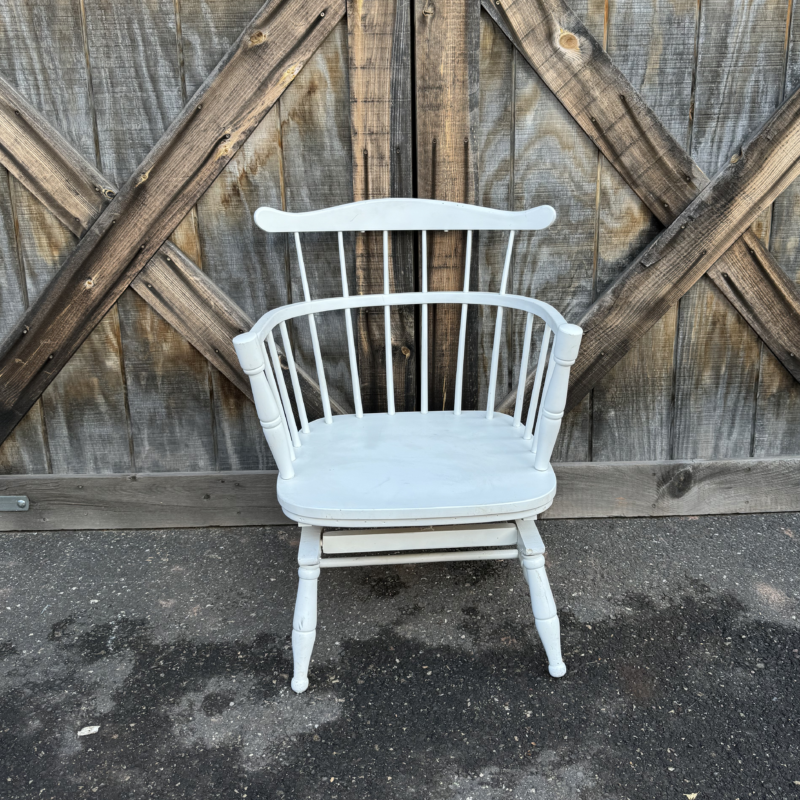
281,413
498,328
298,394
537,382
462,334
424,332
523,370
387,328
284,394
351,347
312,326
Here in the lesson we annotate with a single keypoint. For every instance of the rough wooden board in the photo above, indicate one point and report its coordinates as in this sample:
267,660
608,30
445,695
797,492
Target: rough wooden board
137,93
189,500
315,136
739,82
379,46
678,257
25,450
652,43
84,408
160,500
446,48
555,163
604,103
177,171
777,422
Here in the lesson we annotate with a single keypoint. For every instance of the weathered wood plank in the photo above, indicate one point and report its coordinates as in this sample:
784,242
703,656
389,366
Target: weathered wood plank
606,106
777,422
680,255
204,499
137,93
84,408
379,45
25,450
176,172
315,137
653,44
446,44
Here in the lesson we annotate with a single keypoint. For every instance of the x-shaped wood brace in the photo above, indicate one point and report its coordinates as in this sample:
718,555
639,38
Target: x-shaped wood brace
126,244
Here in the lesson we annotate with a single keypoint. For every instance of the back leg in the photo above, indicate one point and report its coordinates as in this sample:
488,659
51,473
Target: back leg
305,611
531,552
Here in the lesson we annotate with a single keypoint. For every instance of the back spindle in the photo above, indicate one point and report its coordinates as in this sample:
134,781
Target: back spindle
284,394
351,347
462,334
498,328
298,394
523,370
424,329
312,326
537,383
281,411
387,326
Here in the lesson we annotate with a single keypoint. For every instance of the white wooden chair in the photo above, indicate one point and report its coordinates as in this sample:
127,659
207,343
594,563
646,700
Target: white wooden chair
411,487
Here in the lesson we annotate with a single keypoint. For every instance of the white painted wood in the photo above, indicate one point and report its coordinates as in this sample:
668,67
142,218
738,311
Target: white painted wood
419,558
389,539
383,476
298,394
351,345
403,214
304,626
462,333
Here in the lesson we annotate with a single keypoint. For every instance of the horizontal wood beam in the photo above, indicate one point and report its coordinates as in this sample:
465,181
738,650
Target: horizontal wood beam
680,255
183,164
225,499
554,41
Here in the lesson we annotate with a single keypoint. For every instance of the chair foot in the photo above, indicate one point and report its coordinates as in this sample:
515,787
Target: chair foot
305,611
531,551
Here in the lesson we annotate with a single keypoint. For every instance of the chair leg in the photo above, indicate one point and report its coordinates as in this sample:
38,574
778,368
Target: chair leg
531,551
305,611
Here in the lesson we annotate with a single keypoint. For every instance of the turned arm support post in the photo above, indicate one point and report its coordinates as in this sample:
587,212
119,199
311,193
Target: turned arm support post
565,351
251,357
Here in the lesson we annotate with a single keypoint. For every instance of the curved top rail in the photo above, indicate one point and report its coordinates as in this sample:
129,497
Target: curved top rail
404,214
272,318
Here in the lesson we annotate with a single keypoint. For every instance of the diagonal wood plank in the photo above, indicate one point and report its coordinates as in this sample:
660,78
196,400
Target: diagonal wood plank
576,68
189,156
379,45
72,189
680,255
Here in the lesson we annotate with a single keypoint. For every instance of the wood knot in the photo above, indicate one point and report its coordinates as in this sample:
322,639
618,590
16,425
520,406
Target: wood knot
143,177
258,38
89,283
405,351
568,41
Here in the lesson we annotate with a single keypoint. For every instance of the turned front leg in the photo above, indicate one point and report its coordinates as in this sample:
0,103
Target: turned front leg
531,551
304,628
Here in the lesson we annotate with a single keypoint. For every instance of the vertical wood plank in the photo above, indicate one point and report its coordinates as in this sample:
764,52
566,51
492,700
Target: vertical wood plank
84,408
738,85
379,44
653,44
250,266
556,163
317,169
777,423
447,43
137,93
494,146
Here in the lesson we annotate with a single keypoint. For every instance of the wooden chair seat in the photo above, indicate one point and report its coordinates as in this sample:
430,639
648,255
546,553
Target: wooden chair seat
435,468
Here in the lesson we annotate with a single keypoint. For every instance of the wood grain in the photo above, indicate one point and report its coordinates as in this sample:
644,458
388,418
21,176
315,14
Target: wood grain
739,81
605,105
203,499
446,40
379,46
680,255
84,409
777,422
148,208
652,43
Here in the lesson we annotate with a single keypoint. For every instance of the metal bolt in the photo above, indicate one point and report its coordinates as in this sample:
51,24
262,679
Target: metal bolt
21,504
